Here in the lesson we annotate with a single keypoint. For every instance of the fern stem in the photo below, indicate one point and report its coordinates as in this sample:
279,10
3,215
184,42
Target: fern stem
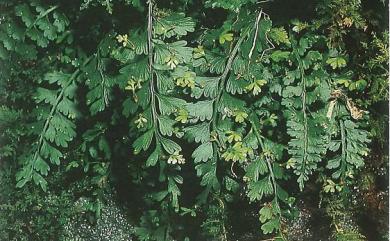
222,81
222,78
150,57
304,111
44,14
231,59
269,42
343,146
103,83
270,169
256,33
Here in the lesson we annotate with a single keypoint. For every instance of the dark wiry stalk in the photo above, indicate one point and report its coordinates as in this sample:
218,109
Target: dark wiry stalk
151,73
343,146
103,83
222,81
271,172
270,169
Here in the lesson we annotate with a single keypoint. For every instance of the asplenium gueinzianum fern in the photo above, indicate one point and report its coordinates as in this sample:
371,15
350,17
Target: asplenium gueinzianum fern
151,74
349,140
305,95
54,125
234,127
321,119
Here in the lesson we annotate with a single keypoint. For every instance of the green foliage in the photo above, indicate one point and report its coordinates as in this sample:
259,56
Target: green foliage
54,129
232,5
304,92
188,112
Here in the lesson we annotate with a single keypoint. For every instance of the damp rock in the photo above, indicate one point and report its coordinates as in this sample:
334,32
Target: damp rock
311,223
111,226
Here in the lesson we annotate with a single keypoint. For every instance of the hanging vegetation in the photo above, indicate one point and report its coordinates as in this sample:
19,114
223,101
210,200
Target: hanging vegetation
193,120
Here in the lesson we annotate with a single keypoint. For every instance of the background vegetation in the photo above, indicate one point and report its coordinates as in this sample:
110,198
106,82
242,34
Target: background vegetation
194,120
